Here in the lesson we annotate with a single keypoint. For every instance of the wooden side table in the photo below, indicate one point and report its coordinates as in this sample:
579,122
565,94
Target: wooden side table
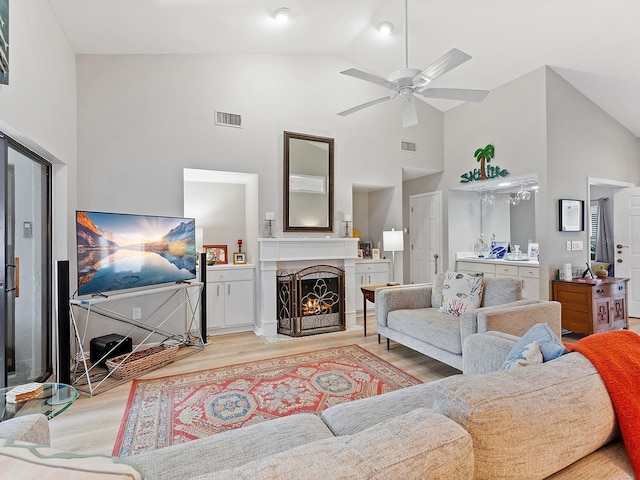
592,307
369,293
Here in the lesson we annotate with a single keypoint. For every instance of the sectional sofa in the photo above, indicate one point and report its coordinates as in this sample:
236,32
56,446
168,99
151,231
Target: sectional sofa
553,420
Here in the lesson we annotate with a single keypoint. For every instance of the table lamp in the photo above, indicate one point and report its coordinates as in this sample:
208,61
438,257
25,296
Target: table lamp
393,241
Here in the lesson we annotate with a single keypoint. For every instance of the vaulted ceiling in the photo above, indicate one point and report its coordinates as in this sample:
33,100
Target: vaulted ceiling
593,44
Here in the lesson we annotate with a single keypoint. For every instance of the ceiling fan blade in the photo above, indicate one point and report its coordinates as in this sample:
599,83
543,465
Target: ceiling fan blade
364,105
464,94
447,62
368,77
409,114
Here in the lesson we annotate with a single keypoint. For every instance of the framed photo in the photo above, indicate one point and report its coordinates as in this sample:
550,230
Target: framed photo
571,215
533,251
375,253
359,253
220,252
239,258
366,249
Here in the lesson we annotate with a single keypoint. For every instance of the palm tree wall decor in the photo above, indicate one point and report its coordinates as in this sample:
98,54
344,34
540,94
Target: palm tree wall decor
484,156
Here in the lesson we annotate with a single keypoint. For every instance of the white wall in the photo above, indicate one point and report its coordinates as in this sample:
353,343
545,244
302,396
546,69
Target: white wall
38,107
512,118
583,141
142,119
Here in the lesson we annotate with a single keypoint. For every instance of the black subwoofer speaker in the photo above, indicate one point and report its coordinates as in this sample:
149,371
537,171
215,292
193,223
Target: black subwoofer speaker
112,344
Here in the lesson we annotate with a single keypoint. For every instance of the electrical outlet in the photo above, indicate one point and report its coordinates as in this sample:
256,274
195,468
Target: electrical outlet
568,245
576,245
136,314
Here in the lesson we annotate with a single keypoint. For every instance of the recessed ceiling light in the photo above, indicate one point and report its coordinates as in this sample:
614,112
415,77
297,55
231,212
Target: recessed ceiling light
282,14
385,27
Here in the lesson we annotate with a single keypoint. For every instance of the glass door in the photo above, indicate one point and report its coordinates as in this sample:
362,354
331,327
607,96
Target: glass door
26,302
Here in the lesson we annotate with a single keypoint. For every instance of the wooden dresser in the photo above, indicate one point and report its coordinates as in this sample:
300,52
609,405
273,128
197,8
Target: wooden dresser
592,308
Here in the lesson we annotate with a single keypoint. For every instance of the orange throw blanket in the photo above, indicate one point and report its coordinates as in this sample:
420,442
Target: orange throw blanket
616,356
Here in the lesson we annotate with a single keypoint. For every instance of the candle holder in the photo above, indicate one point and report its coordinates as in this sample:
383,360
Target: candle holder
346,229
239,246
270,234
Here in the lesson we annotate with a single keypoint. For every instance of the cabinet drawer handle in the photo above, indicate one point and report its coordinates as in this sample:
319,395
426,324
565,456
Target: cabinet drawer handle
228,289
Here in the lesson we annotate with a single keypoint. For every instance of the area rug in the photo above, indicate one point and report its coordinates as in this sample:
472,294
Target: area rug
174,409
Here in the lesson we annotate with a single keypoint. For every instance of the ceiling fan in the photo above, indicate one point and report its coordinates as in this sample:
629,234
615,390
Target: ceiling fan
406,82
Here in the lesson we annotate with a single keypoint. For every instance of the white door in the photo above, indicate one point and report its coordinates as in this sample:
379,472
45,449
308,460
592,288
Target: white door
425,224
627,243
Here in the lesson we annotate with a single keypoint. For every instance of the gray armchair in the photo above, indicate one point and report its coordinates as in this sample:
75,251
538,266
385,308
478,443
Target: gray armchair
410,315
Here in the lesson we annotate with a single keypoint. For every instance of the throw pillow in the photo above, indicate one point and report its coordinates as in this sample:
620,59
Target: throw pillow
550,345
461,291
24,460
529,354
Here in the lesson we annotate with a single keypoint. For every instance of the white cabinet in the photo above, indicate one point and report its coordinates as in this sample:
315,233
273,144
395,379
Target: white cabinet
530,281
230,299
489,270
503,268
371,272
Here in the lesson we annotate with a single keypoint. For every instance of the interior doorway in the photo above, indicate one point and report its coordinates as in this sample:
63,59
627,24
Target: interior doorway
26,277
425,227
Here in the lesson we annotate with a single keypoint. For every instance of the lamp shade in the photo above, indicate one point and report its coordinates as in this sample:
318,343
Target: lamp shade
392,241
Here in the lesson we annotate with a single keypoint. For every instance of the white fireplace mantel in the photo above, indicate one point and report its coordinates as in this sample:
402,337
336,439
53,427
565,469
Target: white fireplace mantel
284,253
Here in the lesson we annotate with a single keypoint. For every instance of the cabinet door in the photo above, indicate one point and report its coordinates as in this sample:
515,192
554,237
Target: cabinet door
602,314
215,304
238,303
619,311
530,287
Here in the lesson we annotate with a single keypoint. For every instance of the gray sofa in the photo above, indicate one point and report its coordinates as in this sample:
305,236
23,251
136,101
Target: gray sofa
554,420
410,315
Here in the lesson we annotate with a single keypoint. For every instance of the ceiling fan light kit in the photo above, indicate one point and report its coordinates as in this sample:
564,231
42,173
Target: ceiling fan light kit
281,14
409,81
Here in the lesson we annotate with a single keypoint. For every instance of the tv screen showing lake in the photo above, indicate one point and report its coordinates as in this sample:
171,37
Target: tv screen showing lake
122,251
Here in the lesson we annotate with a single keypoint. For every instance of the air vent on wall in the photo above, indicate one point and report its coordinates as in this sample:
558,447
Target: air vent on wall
228,119
408,146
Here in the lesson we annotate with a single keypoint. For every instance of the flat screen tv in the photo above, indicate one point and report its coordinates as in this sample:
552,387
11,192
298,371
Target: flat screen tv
119,251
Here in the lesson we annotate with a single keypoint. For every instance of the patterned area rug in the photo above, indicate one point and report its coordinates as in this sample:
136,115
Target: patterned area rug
174,409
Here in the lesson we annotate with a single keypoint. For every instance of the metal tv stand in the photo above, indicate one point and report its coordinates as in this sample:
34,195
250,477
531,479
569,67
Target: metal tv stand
163,304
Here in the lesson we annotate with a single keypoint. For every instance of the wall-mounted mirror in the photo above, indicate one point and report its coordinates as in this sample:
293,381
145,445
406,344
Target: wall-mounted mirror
308,183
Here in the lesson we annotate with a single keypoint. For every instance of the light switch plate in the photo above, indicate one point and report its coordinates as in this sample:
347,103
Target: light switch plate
568,245
576,245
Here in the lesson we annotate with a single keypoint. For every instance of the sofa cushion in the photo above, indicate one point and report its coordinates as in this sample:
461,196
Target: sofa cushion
529,423
231,448
461,292
498,291
436,291
550,345
428,325
420,444
529,354
348,418
25,460
610,462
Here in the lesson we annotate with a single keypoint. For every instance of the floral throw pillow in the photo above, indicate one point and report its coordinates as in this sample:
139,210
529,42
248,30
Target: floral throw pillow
460,292
529,354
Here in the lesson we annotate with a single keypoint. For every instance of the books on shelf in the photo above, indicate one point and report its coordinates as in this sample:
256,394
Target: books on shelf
23,393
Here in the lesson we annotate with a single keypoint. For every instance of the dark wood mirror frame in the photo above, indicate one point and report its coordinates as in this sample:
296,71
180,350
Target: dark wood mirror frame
314,167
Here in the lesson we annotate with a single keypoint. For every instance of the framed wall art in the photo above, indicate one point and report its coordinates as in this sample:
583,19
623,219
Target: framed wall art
366,249
218,251
571,213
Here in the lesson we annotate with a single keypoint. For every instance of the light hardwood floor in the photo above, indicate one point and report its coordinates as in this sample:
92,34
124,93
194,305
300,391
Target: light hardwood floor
91,424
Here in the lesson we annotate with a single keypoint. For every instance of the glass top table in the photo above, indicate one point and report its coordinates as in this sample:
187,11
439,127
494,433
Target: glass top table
55,399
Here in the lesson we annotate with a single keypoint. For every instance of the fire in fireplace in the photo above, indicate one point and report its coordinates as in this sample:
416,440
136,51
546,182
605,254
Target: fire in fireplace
311,301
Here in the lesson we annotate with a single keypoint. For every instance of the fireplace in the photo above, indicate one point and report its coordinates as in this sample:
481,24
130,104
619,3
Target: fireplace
311,301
